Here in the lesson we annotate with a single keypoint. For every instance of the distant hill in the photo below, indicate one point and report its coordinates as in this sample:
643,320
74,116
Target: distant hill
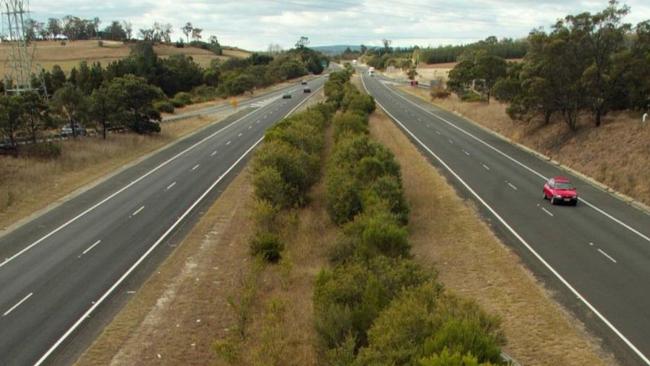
336,49
69,54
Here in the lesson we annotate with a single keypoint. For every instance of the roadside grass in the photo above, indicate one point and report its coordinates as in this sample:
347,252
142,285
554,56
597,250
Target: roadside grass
448,234
616,154
28,184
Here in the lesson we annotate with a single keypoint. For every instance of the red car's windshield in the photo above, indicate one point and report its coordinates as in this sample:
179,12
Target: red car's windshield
563,185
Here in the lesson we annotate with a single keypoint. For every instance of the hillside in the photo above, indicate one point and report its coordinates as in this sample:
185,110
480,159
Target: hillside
68,55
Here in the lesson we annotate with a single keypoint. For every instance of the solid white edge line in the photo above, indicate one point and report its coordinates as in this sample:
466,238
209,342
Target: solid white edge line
520,238
91,247
599,210
607,255
152,248
17,304
111,196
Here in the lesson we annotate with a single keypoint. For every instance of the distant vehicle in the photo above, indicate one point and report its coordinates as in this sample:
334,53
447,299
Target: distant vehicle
371,71
306,90
560,190
304,82
414,83
286,96
67,130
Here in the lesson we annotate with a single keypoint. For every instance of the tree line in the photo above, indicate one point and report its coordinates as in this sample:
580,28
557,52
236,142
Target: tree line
587,64
91,95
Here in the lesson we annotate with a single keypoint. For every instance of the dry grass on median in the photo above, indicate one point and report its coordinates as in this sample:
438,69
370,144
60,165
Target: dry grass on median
616,153
29,184
448,234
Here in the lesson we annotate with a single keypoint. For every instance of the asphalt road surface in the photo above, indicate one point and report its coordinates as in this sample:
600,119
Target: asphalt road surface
596,255
61,268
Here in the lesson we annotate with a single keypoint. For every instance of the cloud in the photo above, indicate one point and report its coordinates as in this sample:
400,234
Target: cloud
254,24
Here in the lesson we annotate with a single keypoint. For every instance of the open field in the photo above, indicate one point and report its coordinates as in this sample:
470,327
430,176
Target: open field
447,233
50,53
616,154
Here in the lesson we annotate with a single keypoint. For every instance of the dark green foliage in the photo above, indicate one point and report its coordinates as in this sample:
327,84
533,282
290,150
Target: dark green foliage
349,297
268,246
164,106
132,98
505,48
181,99
423,322
376,233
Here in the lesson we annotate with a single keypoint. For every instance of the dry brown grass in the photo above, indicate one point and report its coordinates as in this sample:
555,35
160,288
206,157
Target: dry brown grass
616,154
447,233
50,53
28,185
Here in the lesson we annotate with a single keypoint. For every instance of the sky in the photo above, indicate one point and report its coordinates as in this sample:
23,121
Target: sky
254,24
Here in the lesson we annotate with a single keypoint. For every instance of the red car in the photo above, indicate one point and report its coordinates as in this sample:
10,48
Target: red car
560,190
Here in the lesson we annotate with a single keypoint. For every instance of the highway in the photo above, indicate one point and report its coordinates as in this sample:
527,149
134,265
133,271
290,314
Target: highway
596,256
62,268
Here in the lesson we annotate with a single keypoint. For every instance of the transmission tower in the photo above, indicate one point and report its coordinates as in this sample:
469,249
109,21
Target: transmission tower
20,58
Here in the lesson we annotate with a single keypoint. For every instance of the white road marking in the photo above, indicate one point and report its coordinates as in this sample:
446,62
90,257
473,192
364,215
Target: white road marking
119,281
137,211
512,186
214,153
606,255
599,210
196,166
90,247
466,152
249,127
258,121
228,143
547,211
520,238
451,141
239,135
486,167
18,304
591,244
438,132
170,186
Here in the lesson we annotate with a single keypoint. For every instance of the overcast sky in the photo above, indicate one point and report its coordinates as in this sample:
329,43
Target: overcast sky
254,24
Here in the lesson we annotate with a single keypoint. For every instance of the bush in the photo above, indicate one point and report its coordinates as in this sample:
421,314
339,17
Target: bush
270,187
447,358
439,93
421,321
343,195
377,233
348,298
471,97
164,106
182,98
350,123
267,245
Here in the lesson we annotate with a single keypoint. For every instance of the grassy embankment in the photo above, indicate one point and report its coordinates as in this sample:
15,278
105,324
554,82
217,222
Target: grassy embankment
616,154
50,53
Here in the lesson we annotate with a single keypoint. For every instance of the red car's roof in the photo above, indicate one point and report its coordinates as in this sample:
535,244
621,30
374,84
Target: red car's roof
561,179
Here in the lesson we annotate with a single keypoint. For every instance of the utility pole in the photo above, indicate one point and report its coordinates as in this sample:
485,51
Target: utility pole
20,60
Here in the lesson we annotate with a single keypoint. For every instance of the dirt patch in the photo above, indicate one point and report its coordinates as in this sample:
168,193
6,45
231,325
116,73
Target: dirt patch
616,154
183,307
448,234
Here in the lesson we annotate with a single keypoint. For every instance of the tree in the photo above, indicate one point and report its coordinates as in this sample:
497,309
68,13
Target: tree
34,113
10,121
363,49
302,42
132,98
128,29
102,108
58,79
53,27
386,43
187,30
490,68
196,33
70,103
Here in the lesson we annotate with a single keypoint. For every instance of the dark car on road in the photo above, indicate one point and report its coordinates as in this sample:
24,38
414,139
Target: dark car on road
560,190
304,82
286,96
306,90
